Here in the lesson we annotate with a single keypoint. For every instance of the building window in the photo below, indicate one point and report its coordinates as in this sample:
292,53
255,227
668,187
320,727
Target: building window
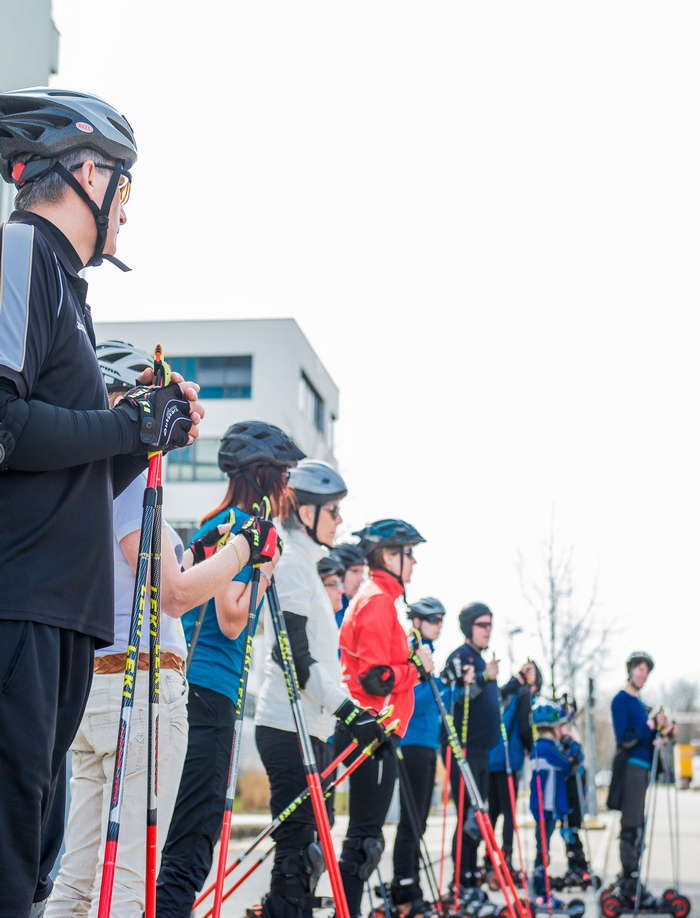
198,462
218,377
331,432
311,403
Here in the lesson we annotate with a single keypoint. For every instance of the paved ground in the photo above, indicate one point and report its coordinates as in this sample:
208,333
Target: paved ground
603,844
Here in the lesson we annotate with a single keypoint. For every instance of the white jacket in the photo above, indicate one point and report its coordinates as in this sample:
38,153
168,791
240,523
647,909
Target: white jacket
301,591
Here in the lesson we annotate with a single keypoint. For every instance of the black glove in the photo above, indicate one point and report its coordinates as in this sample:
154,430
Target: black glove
363,726
205,546
261,537
163,414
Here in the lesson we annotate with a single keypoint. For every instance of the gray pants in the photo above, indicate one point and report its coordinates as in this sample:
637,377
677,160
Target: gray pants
632,816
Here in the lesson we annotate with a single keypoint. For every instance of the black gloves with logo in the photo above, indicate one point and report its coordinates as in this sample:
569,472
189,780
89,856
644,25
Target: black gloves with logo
163,415
363,725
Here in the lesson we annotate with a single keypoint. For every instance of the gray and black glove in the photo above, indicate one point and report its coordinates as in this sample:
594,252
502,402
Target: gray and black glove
163,415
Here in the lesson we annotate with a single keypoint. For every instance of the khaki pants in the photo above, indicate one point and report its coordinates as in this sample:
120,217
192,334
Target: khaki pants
76,891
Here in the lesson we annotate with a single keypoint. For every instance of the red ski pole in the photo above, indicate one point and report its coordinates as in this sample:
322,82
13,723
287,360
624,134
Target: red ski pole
150,500
445,801
543,838
513,809
460,808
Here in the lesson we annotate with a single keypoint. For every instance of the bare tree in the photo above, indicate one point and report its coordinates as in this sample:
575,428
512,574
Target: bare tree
682,696
573,640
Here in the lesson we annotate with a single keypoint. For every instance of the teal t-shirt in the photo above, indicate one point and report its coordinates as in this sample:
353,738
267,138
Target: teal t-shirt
218,660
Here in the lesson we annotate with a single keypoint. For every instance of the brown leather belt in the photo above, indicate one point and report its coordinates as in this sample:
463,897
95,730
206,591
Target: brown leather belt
116,662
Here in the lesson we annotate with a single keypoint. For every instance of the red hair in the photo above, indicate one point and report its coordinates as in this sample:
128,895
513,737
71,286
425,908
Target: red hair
242,493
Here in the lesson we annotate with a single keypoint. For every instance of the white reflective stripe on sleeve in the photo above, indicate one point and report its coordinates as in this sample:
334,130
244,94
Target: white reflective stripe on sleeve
15,284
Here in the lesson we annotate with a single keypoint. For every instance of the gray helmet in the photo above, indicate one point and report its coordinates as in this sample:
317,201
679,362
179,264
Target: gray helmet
45,123
38,126
330,564
121,364
426,607
469,615
637,657
316,482
247,443
351,555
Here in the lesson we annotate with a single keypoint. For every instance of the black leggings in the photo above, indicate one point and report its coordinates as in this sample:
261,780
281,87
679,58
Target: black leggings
420,771
371,790
290,887
499,805
196,824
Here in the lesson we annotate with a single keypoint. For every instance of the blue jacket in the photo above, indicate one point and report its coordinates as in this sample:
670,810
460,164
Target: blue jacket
552,766
424,725
516,748
629,717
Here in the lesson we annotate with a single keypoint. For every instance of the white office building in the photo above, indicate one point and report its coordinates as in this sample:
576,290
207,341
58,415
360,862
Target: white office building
262,369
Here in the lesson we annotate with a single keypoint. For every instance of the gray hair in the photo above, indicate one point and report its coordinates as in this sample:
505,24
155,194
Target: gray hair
50,188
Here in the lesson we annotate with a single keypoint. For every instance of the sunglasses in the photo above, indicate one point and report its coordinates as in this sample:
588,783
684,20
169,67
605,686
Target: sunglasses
434,619
406,552
124,183
334,511
333,584
483,624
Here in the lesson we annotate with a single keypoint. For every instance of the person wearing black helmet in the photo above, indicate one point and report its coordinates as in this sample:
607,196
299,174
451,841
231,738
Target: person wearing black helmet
257,457
309,524
375,659
331,570
419,749
636,733
353,560
64,454
466,663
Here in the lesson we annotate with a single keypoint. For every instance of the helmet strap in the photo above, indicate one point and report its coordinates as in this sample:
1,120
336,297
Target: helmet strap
100,214
312,530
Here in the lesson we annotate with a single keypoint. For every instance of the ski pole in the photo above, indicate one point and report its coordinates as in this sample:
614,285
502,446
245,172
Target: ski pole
503,876
383,893
251,626
643,847
582,808
672,822
239,882
445,797
543,839
460,808
412,810
307,752
296,803
514,812
161,377
129,687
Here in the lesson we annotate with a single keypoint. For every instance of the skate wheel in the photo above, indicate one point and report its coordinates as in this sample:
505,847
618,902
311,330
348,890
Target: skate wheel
576,907
610,906
669,893
680,906
504,912
595,882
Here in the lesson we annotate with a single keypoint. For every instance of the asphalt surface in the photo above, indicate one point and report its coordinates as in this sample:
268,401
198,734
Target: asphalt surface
603,843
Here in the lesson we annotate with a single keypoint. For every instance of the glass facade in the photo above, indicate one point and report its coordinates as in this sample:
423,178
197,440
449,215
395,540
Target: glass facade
195,463
219,377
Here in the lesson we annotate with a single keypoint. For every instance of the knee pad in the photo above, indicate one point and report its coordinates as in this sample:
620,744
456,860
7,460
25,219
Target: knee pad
360,856
296,876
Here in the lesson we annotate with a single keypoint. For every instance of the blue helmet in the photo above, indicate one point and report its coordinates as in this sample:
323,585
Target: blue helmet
426,607
547,714
390,533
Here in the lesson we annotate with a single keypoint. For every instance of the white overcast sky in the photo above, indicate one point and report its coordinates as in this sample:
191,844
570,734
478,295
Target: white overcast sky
486,218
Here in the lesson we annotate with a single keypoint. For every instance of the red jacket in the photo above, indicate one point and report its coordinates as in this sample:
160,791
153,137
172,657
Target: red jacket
373,644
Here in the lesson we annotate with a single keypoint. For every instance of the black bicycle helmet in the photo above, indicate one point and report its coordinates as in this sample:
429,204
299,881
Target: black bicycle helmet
246,443
469,615
121,364
637,657
330,564
350,554
389,533
425,607
39,125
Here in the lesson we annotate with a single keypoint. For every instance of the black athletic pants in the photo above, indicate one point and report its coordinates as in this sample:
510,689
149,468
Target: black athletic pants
290,887
371,790
45,677
571,825
499,805
479,763
632,816
419,768
196,824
